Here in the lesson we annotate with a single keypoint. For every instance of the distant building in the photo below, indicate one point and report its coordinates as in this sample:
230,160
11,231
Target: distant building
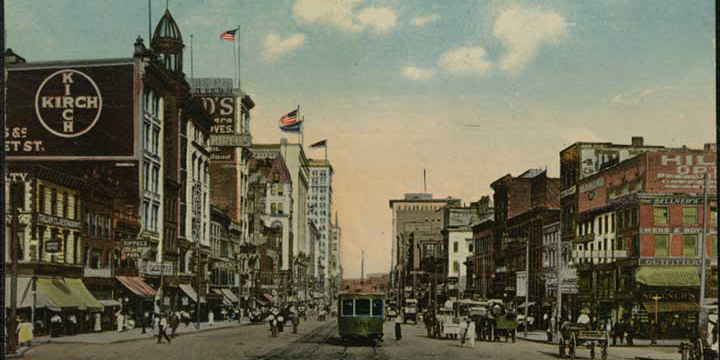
319,211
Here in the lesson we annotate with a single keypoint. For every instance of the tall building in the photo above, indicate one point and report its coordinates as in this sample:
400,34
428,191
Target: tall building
319,210
458,243
295,272
417,234
334,259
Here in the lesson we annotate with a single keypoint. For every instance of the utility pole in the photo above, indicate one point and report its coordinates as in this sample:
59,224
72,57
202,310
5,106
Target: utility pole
703,244
527,283
559,265
16,194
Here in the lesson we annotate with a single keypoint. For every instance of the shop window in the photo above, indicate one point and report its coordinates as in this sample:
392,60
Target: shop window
661,245
690,245
690,215
661,215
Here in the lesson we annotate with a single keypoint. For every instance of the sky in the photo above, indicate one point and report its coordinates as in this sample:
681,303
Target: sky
469,90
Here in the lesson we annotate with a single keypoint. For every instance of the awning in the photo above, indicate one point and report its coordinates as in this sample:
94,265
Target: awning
680,276
191,293
81,292
667,306
59,293
522,306
229,294
226,301
24,294
109,302
137,285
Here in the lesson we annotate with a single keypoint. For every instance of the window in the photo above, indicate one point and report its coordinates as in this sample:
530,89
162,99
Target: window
620,243
94,225
613,226
347,307
661,245
661,215
280,208
377,308
65,204
362,307
76,208
146,175
273,208
713,245
155,217
156,178
146,139
600,225
456,266
713,217
53,202
690,215
690,245
620,224
634,214
455,247
470,247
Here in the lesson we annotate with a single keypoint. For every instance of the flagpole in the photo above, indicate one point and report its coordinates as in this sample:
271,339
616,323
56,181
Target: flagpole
235,57
239,76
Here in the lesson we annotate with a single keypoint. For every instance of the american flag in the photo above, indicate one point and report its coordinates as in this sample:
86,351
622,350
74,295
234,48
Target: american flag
228,35
289,118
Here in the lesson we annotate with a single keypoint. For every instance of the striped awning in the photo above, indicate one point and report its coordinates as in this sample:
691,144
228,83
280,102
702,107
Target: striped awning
81,292
229,294
137,285
669,306
672,276
187,289
226,301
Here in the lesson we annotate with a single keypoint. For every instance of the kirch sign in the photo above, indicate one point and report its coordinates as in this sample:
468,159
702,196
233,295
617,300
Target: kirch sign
70,112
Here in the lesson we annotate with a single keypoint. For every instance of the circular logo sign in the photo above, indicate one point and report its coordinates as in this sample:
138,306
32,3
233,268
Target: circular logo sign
68,103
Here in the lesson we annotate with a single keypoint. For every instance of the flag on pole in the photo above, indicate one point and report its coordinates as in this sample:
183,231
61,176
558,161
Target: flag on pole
318,144
228,35
290,121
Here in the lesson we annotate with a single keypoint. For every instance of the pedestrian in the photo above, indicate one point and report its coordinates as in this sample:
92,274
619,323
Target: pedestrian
55,325
98,323
398,328
162,326
24,332
120,320
211,318
653,332
145,321
273,325
186,318
72,328
295,321
630,332
471,333
280,323
174,323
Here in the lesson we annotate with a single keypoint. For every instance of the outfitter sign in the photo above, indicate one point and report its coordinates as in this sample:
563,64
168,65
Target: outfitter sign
70,112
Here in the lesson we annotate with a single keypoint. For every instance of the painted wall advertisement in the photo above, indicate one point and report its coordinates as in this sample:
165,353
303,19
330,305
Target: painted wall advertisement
221,104
681,171
81,112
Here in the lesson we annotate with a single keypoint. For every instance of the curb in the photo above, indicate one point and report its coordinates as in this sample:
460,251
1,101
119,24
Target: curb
611,346
21,353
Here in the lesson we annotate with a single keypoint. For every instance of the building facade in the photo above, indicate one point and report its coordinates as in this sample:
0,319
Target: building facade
319,211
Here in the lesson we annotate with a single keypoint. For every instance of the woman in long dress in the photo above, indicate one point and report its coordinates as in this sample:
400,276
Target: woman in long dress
211,318
98,326
120,321
471,333
25,332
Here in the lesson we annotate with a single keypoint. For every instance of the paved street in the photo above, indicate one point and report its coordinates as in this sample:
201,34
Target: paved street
317,341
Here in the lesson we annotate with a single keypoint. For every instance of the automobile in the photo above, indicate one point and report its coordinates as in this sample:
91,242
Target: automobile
410,311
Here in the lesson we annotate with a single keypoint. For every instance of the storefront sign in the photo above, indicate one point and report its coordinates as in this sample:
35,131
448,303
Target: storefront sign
133,243
16,177
234,140
668,262
592,185
56,221
521,283
660,230
673,201
669,296
57,113
52,246
196,211
567,192
154,268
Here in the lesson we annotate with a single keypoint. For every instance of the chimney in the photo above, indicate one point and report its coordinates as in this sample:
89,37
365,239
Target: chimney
637,141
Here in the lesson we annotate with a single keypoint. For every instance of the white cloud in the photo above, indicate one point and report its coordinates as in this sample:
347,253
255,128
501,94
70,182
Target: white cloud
424,20
466,61
416,73
634,97
344,15
380,19
522,31
275,47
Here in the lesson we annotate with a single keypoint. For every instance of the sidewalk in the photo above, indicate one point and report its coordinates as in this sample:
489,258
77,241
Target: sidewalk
112,337
541,336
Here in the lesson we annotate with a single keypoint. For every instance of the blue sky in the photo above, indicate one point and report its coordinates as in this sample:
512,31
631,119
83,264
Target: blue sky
393,84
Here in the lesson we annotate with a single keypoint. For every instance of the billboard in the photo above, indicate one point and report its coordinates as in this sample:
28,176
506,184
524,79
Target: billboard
681,171
70,112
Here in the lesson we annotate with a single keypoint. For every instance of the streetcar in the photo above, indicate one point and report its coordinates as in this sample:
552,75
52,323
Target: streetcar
361,315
